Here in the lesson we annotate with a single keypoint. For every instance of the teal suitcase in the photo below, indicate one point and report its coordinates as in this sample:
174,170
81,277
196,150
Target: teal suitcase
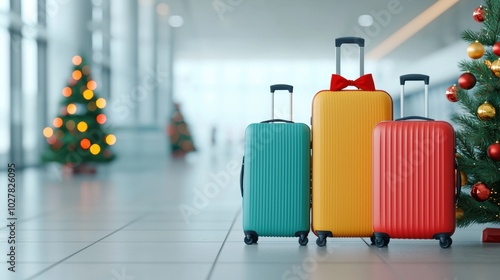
276,178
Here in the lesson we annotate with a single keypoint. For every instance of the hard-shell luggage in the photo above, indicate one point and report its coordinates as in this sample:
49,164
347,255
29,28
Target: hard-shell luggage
275,178
414,177
342,124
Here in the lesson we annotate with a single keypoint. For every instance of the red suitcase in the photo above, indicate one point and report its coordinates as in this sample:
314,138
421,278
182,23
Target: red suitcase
414,177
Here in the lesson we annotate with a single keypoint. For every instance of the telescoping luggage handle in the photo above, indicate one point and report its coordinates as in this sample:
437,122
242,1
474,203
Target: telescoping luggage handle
425,79
415,77
274,88
458,182
350,40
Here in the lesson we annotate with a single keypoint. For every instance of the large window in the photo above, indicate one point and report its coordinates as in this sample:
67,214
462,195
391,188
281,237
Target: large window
29,11
229,95
4,5
20,104
31,132
4,96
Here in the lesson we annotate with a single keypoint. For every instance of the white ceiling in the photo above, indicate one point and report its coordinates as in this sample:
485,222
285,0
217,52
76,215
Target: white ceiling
305,29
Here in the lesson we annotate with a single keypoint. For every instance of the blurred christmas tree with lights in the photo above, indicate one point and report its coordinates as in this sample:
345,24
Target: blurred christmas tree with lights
78,135
181,141
478,94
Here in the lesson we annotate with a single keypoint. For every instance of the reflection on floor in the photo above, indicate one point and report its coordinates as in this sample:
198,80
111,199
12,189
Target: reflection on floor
147,217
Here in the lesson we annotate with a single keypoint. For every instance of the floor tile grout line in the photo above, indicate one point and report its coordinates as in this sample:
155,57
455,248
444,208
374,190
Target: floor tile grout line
84,248
223,243
368,244
21,221
384,261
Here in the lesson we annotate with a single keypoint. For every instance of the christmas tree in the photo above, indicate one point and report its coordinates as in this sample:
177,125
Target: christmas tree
78,136
478,131
180,139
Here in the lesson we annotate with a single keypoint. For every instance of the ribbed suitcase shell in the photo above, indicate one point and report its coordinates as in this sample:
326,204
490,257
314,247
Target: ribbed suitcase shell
342,126
276,182
414,179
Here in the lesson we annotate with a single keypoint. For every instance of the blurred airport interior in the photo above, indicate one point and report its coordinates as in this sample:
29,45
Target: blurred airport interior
217,59
168,90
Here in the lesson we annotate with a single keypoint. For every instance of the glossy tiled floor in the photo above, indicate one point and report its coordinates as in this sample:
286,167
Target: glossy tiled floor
125,223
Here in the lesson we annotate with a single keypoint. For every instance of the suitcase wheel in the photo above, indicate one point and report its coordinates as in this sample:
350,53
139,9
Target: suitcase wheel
303,240
322,235
445,242
251,239
381,241
321,241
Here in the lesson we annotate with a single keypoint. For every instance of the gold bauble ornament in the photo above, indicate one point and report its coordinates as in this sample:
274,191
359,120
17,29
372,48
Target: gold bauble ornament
475,50
488,63
459,213
486,111
495,67
463,178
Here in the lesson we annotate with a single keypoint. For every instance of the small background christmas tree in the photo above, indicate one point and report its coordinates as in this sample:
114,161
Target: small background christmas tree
478,94
180,139
77,136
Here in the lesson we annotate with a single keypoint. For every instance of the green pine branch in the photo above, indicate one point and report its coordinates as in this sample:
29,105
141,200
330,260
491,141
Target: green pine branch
488,35
475,212
474,136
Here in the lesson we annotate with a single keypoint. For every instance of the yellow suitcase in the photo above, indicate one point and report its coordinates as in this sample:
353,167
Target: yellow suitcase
342,124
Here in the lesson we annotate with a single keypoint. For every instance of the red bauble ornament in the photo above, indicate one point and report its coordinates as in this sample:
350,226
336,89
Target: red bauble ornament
494,151
479,14
496,49
480,192
451,93
467,80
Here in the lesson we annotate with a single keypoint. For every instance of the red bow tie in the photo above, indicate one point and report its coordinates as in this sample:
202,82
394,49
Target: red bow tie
364,82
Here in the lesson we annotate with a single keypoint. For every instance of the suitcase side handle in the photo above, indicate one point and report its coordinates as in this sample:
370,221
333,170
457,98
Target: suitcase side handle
277,120
459,183
241,175
414,118
415,77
